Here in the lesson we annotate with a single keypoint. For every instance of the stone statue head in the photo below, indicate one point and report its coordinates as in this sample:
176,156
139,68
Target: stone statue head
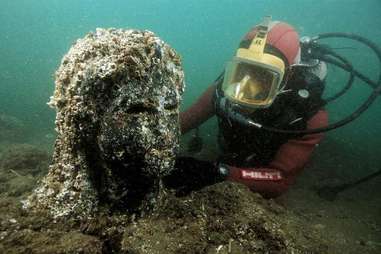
117,99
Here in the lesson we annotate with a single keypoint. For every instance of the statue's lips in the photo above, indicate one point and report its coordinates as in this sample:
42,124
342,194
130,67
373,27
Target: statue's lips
132,153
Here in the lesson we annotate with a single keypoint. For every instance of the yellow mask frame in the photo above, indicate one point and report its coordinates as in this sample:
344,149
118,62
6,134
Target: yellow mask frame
254,59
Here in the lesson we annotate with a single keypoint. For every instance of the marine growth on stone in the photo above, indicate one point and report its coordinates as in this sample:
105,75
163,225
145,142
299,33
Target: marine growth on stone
117,95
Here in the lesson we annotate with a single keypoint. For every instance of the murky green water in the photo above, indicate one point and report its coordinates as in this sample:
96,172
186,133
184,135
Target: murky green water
34,36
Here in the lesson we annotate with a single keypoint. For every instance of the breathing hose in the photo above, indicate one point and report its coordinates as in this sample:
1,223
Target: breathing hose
345,65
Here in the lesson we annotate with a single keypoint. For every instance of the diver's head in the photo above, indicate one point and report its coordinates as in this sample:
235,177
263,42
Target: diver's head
253,77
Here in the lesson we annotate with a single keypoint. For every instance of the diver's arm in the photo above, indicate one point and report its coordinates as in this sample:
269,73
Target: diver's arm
275,179
199,112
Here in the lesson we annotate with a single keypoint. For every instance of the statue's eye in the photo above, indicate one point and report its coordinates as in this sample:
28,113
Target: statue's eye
170,106
141,108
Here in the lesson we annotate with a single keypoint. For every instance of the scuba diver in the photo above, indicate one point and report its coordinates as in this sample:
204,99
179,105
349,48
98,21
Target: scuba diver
270,109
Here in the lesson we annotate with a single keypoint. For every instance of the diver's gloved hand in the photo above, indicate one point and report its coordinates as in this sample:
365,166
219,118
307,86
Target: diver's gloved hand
191,174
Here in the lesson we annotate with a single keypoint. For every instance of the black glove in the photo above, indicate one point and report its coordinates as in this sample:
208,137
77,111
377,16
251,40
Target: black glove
191,174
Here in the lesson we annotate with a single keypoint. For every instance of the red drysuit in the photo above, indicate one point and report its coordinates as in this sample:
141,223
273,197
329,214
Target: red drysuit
291,157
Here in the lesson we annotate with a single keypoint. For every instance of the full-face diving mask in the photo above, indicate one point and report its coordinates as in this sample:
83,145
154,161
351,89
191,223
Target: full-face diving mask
253,77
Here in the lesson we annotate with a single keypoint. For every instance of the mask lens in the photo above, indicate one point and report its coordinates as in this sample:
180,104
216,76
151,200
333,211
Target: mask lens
250,84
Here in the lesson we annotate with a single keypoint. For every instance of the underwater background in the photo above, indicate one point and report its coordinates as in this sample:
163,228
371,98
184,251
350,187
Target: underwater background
36,34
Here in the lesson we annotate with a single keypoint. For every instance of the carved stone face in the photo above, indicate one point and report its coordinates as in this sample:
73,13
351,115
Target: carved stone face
138,133
140,130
